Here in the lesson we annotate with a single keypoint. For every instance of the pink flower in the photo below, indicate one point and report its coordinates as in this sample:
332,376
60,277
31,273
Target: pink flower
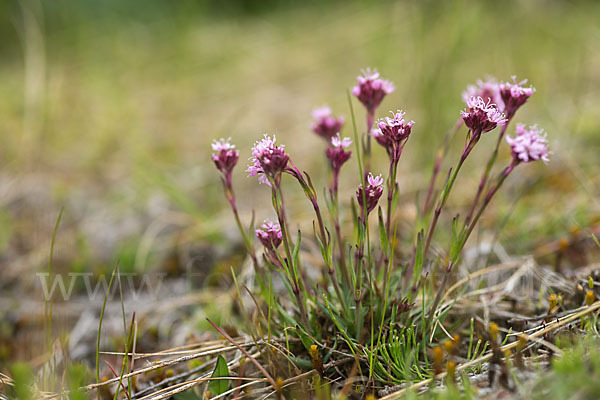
371,89
514,95
269,160
371,193
325,124
529,144
488,90
269,235
336,154
392,133
226,157
481,116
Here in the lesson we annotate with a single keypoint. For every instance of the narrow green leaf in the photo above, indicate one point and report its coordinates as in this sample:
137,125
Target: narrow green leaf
304,338
251,228
219,386
419,259
297,247
458,240
382,233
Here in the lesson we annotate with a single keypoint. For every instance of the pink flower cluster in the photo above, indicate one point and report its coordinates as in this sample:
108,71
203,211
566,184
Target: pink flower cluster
268,160
514,95
529,144
371,89
226,156
371,193
326,125
336,153
392,133
269,234
488,90
482,116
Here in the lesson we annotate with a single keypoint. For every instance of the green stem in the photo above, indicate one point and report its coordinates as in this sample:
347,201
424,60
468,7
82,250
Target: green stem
441,203
280,211
390,198
340,241
486,174
501,178
488,198
441,154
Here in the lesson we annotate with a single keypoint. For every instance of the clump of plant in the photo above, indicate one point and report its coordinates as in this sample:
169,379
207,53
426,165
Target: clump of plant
374,305
573,375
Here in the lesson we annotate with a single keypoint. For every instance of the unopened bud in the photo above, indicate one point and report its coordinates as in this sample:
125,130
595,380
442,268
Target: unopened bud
493,331
438,355
521,343
451,370
314,352
552,301
279,383
590,297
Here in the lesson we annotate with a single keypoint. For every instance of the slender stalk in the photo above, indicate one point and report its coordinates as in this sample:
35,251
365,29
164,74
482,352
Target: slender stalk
472,139
278,204
48,301
335,216
436,170
438,298
359,254
230,195
488,198
356,141
363,241
441,154
469,229
367,143
441,203
486,173
247,241
320,222
391,188
357,283
100,326
386,290
338,291
311,194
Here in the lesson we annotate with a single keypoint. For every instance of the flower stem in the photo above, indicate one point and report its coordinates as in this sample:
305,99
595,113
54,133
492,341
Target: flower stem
338,234
441,203
248,243
469,229
471,142
391,188
486,173
442,151
470,225
367,143
278,204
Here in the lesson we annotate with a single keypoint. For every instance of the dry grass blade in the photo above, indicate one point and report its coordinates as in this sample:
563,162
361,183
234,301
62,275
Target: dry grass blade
484,271
164,363
180,350
183,386
5,379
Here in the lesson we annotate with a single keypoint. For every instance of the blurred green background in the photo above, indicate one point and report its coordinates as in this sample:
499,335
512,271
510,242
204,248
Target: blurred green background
108,108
